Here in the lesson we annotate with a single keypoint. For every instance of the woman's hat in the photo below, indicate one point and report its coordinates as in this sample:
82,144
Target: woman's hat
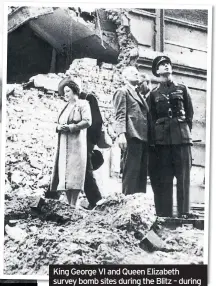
97,159
67,81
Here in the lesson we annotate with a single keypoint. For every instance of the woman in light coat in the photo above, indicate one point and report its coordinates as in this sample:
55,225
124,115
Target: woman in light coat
71,154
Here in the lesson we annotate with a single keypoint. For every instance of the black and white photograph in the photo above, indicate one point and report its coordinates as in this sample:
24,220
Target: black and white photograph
105,136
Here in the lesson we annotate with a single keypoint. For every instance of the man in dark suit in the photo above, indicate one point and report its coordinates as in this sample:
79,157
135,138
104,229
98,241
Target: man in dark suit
91,189
171,112
132,131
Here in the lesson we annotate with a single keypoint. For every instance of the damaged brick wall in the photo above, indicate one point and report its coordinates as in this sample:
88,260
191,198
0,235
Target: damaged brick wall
103,80
97,80
127,44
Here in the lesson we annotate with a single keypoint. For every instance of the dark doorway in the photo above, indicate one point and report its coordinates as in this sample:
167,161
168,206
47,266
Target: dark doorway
28,55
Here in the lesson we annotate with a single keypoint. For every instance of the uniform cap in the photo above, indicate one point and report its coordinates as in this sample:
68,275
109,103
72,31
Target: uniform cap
157,61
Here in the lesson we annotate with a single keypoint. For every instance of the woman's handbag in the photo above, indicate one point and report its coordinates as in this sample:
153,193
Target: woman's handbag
105,140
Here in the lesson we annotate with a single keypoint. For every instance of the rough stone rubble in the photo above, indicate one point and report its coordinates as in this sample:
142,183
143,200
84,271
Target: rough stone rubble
110,234
56,233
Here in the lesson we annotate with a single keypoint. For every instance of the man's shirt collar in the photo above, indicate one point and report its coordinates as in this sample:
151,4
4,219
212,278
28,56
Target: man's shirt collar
134,87
168,83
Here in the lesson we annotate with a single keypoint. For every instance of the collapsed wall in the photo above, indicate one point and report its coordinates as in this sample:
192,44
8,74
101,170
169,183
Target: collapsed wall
102,80
127,43
32,111
56,234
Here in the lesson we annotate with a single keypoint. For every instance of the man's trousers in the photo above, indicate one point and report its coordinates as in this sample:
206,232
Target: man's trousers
134,176
165,163
91,189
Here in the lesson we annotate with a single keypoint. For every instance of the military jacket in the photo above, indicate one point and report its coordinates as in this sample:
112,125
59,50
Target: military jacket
171,112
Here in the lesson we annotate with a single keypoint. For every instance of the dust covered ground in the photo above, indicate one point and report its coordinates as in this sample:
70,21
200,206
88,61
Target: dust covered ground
110,234
55,233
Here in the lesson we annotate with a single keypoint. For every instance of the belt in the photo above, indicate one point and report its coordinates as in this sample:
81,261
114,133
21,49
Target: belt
171,114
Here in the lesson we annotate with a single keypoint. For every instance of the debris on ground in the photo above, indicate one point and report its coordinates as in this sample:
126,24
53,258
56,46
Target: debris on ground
41,231
56,233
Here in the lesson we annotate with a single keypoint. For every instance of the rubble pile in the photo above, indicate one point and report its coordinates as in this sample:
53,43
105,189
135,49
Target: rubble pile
30,139
105,235
52,232
32,111
189,238
99,81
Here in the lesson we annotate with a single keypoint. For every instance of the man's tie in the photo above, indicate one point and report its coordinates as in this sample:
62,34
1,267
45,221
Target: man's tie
142,99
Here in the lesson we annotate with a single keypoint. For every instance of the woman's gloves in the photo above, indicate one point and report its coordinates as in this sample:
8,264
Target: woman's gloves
67,128
62,128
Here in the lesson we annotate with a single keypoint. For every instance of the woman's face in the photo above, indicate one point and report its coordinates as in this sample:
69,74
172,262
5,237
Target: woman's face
68,94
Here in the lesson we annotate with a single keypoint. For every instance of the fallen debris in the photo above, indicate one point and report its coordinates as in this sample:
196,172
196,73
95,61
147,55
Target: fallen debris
51,231
16,233
58,233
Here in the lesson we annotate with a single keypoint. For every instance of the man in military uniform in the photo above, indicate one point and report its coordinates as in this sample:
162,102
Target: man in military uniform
91,188
171,113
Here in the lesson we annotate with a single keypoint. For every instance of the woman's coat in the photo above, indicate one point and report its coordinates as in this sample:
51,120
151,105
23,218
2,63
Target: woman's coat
71,153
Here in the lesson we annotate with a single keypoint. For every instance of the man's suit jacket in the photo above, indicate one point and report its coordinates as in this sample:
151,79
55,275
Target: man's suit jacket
130,114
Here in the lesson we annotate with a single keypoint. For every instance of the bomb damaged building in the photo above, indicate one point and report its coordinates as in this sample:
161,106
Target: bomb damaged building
48,40
45,44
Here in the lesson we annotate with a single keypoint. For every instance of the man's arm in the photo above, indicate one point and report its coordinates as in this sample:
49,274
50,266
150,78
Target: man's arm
189,112
152,106
120,106
152,117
